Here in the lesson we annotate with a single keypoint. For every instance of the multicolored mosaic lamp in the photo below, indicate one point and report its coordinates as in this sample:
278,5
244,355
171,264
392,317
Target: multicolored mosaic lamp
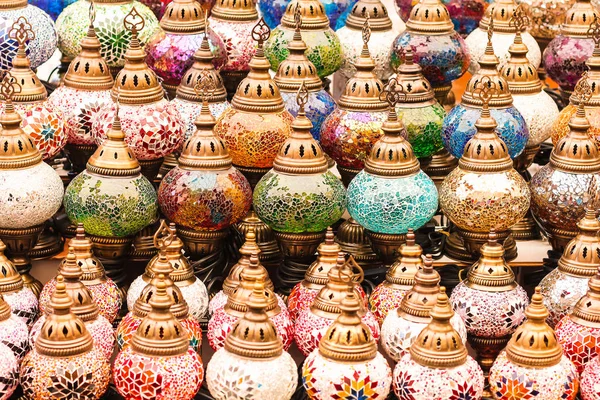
402,326
337,11
253,361
559,189
533,363
14,334
64,362
151,124
491,303
297,69
437,365
72,26
347,361
39,48
85,90
324,48
170,51
159,363
313,323
83,307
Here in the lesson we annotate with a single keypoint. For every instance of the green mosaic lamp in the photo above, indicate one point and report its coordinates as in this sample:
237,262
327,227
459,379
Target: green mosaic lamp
299,198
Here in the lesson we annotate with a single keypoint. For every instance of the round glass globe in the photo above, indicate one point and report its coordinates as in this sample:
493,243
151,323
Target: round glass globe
231,376
590,380
336,10
319,106
239,45
72,25
561,292
299,203
384,299
52,7
188,112
560,128
40,49
424,128
109,206
9,372
24,305
14,333
564,59
219,300
540,112
580,343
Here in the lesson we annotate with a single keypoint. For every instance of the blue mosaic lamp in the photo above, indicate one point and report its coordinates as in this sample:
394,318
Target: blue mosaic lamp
337,11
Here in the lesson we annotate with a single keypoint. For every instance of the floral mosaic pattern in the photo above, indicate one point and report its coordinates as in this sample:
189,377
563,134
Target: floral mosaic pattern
188,112
509,381
233,377
564,59
14,335
111,207
560,128
379,48
561,292
24,305
320,105
385,299
589,380
9,372
158,378
579,342
539,111
424,127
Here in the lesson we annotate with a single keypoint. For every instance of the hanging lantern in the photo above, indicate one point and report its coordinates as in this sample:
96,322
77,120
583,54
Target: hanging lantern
14,334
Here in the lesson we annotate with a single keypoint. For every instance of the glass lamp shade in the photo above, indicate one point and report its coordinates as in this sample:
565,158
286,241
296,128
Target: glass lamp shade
415,381
85,375
302,296
546,383
501,41
579,342
72,25
347,136
9,372
40,49
565,57
231,376
109,206
423,126
324,48
239,45
24,305
52,7
326,379
299,203
560,128
14,334
392,205
336,10
590,379
175,377
79,108
204,200
169,55
459,128
100,329
540,113
152,131
385,299
188,111
319,106
218,301
561,292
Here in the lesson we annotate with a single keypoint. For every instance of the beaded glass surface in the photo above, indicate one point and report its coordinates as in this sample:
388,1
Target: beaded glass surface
9,373
23,304
561,292
14,334
590,380
564,59
539,112
379,49
319,106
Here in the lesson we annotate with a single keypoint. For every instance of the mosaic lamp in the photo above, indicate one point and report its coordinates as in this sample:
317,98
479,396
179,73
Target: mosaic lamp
64,362
592,105
41,45
313,322
170,51
382,34
533,364
337,11
491,303
484,192
151,124
159,363
402,325
324,48
299,198
257,123
566,55
438,365
297,69
104,291
14,334
72,25
193,289
143,307
9,364
559,190
589,380
83,307
42,122
234,22
252,362
224,319
304,293
347,361
399,279
350,131
85,90
51,7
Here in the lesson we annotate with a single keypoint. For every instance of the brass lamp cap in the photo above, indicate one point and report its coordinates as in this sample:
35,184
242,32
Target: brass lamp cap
63,334
91,266
312,12
297,68
578,18
348,339
439,345
160,334
6,5
534,343
10,279
372,9
89,71
416,87
363,89
587,310
183,17
5,311
501,12
254,336
257,92
402,272
430,17
167,240
593,64
327,254
577,152
235,10
417,303
301,154
491,273
136,83
83,306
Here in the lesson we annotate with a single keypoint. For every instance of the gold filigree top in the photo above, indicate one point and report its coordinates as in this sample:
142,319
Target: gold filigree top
401,273
183,17
235,10
534,343
430,17
417,88
491,273
372,9
92,268
578,17
327,253
170,244
587,310
312,12
10,279
501,12
416,305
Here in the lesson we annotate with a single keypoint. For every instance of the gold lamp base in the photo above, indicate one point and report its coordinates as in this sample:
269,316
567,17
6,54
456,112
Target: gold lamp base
199,244
487,350
442,95
441,164
142,248
50,243
270,254
525,159
347,174
113,252
387,246
171,90
525,229
559,238
79,154
352,238
150,168
465,246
